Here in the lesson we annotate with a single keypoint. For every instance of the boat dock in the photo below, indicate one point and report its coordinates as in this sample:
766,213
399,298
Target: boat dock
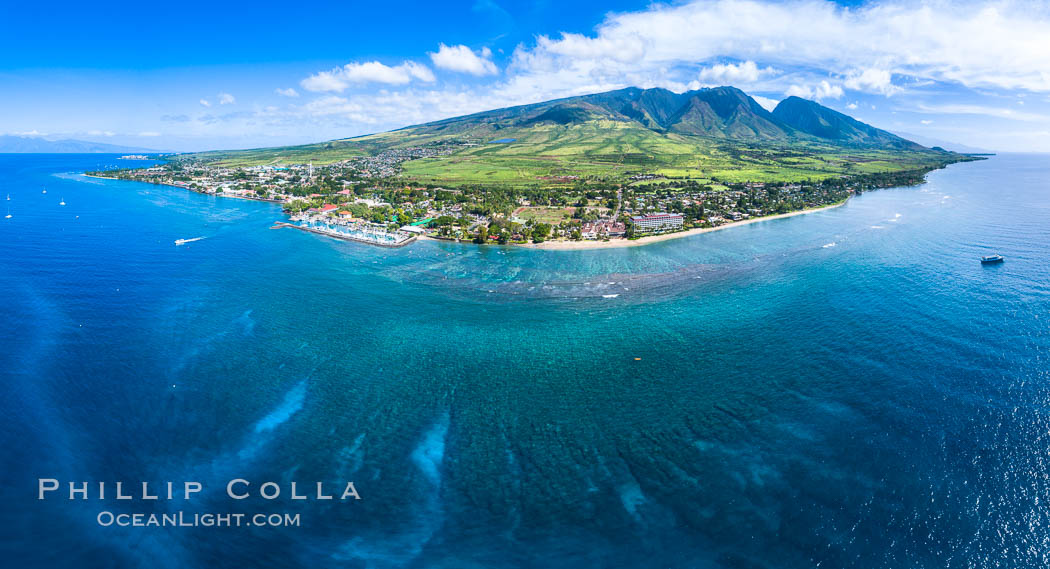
386,239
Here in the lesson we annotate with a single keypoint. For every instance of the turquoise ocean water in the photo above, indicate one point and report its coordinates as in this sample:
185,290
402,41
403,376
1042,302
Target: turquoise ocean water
848,388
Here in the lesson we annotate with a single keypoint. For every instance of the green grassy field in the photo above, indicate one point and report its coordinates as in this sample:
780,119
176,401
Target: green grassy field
550,215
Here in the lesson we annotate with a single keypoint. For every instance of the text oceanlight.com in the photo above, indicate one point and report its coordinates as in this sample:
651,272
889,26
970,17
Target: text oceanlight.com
182,519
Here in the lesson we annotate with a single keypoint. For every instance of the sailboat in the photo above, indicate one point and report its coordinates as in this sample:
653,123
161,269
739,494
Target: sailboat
8,197
44,191
8,216
63,202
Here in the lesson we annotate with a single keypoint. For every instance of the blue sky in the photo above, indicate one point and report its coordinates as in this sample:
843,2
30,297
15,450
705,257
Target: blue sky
197,75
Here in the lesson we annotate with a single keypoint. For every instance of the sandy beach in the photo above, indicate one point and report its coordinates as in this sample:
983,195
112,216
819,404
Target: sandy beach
614,243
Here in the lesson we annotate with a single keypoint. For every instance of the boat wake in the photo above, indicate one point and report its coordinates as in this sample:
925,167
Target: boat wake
185,241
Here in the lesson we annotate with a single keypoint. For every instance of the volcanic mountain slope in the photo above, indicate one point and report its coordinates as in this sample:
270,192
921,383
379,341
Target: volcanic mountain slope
718,132
826,124
721,113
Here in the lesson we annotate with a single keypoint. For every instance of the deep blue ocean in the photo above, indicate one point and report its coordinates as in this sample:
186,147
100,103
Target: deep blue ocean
847,388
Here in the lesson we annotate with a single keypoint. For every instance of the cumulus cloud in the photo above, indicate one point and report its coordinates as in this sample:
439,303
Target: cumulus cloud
226,99
289,92
733,73
822,90
625,48
340,78
851,106
205,103
871,80
1005,45
462,59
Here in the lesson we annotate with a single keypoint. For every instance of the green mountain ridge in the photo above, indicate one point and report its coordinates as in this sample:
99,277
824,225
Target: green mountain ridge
720,112
819,121
708,133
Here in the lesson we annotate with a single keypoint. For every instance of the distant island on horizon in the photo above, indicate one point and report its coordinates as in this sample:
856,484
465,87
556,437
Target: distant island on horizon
609,169
19,144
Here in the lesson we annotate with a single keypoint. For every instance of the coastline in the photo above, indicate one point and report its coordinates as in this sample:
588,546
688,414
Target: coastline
612,244
185,188
563,245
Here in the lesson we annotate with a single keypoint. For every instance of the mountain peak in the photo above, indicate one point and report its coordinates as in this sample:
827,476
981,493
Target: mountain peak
817,120
723,112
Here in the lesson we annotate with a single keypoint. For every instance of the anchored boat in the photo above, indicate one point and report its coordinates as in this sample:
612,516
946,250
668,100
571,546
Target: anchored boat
992,259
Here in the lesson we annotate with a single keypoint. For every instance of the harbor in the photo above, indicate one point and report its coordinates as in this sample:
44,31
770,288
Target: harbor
360,232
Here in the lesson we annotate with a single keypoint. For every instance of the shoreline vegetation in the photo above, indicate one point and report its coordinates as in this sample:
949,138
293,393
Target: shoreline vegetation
604,215
650,239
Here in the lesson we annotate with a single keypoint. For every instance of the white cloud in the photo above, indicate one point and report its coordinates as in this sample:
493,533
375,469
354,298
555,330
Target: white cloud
851,106
822,90
1006,45
289,92
101,133
624,48
149,133
767,103
733,73
226,99
966,109
926,122
462,59
340,78
871,80
205,103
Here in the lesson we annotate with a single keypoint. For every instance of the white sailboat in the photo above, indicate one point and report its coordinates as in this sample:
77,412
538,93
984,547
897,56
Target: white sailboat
44,191
63,202
8,216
